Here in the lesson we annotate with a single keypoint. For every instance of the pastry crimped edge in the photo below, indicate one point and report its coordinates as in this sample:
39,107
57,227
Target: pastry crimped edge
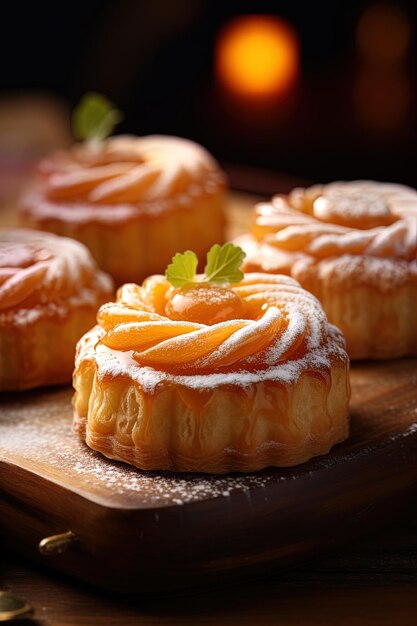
373,300
110,405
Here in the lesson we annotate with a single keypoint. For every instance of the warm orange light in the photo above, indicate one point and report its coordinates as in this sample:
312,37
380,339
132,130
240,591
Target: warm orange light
383,34
257,56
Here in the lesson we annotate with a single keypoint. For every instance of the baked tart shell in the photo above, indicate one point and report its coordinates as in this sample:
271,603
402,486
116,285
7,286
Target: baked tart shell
212,429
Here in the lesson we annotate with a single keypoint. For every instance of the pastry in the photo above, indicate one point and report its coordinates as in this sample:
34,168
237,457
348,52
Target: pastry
354,246
133,201
212,377
50,290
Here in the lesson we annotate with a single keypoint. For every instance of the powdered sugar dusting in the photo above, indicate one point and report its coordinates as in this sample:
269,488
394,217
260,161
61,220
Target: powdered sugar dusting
56,273
30,436
113,363
60,309
36,434
357,218
283,323
126,178
269,320
387,275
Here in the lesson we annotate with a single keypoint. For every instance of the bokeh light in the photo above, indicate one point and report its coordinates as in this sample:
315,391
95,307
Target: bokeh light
257,56
382,89
383,34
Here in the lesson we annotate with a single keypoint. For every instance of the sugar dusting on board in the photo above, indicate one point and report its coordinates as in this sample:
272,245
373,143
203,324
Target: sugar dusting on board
36,434
39,431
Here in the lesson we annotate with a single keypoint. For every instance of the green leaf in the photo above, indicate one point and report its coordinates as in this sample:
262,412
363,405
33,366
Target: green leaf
223,264
94,117
183,268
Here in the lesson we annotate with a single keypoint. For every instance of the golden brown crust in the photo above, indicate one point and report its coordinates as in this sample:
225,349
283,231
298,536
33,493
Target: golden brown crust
270,388
50,290
41,352
135,203
234,429
354,246
372,301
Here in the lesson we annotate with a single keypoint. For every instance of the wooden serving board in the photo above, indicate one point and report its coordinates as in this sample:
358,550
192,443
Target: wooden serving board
139,531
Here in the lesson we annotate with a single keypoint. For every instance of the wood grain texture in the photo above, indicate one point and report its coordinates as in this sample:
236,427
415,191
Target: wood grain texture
165,531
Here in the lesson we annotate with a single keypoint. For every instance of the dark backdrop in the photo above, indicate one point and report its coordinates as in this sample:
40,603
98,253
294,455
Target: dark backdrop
155,60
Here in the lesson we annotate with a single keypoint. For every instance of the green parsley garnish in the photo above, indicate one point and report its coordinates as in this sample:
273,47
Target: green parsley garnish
94,117
183,268
222,266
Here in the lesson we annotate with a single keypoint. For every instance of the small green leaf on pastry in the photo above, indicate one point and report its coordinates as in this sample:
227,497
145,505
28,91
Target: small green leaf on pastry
183,268
223,263
94,117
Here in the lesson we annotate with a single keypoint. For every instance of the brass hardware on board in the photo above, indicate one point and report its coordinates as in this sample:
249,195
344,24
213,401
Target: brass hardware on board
12,607
56,544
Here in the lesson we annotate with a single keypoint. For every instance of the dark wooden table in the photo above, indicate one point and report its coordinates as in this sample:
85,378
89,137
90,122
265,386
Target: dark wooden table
373,581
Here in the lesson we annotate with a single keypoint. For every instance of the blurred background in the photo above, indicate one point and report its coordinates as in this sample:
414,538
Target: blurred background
308,91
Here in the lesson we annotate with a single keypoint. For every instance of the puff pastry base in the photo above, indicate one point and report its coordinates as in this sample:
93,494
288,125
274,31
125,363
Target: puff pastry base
37,347
132,248
214,429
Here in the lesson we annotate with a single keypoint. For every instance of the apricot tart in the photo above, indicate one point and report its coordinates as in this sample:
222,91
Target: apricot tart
133,201
212,378
353,245
50,290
